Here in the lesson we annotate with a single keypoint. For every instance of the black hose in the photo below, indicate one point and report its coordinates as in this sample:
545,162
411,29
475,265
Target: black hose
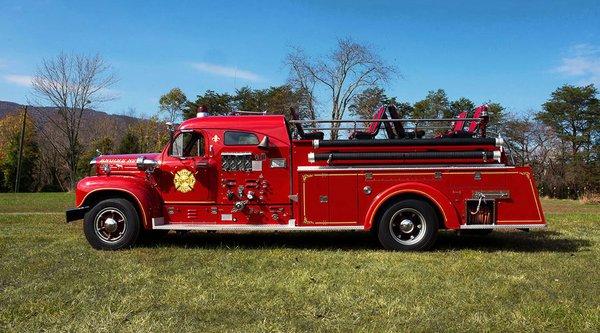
409,142
426,155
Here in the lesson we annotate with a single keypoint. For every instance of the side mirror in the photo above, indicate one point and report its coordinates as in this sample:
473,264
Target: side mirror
264,143
171,129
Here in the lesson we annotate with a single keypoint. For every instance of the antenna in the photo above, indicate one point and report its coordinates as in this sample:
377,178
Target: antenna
235,78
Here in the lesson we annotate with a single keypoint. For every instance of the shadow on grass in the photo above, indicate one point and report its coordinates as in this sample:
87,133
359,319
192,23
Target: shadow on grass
539,241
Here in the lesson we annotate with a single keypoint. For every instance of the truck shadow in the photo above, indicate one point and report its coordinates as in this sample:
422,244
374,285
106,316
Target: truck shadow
538,241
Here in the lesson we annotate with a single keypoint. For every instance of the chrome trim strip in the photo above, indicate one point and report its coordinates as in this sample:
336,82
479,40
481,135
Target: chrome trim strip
246,227
504,226
403,167
232,153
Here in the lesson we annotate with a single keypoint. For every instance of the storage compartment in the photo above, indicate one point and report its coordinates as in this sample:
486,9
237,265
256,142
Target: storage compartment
481,211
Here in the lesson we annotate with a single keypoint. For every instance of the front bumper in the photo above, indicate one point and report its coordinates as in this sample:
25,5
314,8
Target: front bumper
74,214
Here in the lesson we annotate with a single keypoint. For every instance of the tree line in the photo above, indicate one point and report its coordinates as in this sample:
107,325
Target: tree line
560,140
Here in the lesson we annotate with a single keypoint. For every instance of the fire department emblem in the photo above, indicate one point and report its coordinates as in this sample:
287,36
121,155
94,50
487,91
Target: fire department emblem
216,138
184,181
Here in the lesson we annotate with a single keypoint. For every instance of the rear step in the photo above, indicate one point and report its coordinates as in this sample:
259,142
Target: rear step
158,224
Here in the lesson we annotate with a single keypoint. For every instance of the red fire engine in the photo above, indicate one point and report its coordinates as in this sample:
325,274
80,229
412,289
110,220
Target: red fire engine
248,173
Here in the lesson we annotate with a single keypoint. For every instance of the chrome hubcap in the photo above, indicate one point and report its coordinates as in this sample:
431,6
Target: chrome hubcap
110,225
407,226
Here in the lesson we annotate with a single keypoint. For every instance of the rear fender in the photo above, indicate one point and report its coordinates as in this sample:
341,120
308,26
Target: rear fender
142,194
445,207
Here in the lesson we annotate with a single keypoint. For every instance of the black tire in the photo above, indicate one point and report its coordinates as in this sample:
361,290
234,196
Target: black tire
98,229
408,225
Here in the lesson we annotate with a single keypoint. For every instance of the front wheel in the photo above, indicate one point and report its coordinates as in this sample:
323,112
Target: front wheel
409,225
112,224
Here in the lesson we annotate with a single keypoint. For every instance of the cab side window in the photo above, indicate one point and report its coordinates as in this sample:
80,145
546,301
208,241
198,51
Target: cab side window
234,138
188,144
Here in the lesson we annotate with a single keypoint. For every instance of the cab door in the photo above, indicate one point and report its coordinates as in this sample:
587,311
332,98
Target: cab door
186,177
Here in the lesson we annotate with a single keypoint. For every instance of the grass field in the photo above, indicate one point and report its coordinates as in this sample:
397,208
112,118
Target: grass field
50,279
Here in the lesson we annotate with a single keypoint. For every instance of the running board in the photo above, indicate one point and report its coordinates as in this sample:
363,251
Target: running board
158,224
503,226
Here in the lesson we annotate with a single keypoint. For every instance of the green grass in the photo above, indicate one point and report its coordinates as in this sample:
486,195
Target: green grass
35,202
50,279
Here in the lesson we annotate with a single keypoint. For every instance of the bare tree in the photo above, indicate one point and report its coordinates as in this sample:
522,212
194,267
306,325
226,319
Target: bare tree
303,82
72,84
349,69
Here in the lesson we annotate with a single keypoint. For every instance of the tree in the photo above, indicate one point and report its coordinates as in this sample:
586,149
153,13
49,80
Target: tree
103,145
217,104
130,143
303,82
460,105
348,70
279,99
496,115
151,134
72,84
405,110
573,112
10,129
365,103
246,99
435,105
171,105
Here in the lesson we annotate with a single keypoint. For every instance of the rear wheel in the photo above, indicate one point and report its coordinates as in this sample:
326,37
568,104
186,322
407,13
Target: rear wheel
112,224
409,225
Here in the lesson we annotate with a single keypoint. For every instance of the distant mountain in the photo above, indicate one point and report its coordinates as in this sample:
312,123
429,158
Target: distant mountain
11,107
94,123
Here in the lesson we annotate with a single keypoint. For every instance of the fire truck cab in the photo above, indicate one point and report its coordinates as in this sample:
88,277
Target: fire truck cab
247,173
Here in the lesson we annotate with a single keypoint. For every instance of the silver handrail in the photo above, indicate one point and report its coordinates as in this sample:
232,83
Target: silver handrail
383,120
260,113
422,123
354,128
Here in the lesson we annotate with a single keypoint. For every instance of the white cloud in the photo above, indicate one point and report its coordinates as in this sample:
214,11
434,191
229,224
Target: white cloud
582,62
20,80
226,71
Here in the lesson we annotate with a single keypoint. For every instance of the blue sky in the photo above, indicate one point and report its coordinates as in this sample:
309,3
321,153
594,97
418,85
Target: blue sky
513,52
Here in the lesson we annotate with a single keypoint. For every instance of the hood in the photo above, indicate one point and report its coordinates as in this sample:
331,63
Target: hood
120,163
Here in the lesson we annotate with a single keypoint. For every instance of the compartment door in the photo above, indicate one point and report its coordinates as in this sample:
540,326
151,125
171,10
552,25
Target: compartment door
329,199
315,199
343,199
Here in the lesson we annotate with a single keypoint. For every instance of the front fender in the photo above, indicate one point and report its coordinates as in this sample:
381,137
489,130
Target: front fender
144,196
444,205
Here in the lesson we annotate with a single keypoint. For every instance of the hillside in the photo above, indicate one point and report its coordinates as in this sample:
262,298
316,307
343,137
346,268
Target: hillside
94,122
7,107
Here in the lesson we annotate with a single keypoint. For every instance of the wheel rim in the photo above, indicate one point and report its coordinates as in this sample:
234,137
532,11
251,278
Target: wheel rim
110,225
407,226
